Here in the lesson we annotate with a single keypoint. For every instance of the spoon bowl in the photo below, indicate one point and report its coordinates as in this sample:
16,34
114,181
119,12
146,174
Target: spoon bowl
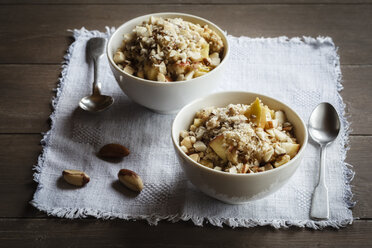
324,124
96,103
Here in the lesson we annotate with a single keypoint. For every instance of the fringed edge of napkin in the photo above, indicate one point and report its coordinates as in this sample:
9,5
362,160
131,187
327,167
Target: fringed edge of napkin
72,213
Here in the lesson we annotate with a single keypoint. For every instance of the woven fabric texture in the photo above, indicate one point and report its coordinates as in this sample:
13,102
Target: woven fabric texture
302,72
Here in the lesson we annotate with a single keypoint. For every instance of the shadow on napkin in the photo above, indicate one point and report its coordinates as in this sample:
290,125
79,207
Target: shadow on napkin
121,189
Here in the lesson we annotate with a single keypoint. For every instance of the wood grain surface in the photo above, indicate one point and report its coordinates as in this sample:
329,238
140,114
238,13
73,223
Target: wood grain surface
183,2
118,233
44,27
33,41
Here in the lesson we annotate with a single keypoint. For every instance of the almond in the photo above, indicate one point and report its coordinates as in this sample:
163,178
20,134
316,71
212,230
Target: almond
113,151
130,179
195,157
75,177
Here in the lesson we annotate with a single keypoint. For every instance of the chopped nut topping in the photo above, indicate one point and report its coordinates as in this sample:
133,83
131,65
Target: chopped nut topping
169,49
240,138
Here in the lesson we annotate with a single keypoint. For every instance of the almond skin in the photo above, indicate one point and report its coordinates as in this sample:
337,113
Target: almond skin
113,151
75,177
130,179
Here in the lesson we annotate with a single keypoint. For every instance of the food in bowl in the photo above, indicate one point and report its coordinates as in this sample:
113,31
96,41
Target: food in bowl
240,138
165,97
169,49
237,188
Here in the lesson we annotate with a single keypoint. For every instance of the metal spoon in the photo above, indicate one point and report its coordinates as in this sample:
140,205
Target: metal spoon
324,126
96,102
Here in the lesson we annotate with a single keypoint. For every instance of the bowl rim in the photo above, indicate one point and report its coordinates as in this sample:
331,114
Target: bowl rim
207,169
180,14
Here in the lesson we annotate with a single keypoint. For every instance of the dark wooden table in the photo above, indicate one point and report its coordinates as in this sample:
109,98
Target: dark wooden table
33,40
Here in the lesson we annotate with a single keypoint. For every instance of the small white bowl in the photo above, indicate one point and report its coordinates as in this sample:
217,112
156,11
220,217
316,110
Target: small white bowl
165,98
237,188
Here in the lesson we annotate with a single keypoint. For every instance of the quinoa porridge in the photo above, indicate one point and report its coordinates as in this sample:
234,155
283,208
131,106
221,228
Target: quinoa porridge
240,138
169,49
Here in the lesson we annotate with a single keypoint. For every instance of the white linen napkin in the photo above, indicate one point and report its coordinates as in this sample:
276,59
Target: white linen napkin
302,72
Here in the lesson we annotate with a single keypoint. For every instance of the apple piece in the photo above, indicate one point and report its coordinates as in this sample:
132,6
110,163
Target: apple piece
261,119
291,149
199,73
184,149
282,160
280,116
189,75
205,50
161,77
268,166
203,68
258,111
279,135
180,68
270,112
270,132
254,109
232,155
268,154
217,146
198,122
151,72
233,170
279,150
275,123
200,146
215,59
271,124
128,69
261,134
195,157
119,57
187,142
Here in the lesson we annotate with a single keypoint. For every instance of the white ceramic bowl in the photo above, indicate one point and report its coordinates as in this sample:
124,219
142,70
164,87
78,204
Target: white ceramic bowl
236,188
163,97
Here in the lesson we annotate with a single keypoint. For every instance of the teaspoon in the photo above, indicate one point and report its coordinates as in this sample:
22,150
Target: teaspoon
324,126
96,102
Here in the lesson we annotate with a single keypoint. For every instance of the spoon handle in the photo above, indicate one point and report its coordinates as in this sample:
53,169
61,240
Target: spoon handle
95,49
320,203
96,84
